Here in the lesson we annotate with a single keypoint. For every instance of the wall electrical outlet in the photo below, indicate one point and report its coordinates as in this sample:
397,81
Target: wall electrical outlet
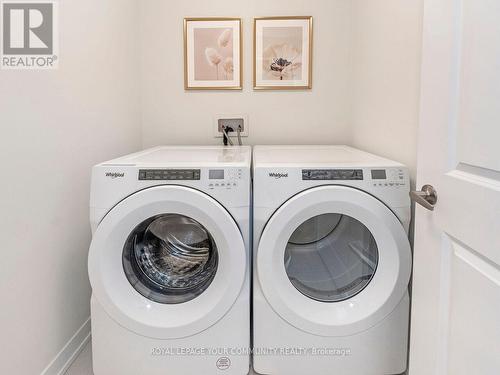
233,121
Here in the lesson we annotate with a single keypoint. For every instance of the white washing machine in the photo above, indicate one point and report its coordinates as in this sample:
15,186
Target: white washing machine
169,262
332,262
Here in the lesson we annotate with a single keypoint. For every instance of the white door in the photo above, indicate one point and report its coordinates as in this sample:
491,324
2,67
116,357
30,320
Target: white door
455,324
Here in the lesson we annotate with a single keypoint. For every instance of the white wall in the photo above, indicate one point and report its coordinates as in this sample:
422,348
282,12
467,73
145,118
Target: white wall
386,49
54,126
173,116
365,77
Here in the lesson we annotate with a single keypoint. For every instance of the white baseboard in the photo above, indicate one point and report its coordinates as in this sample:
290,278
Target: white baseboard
69,352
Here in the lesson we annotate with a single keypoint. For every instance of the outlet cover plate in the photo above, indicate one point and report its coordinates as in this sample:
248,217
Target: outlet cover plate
230,119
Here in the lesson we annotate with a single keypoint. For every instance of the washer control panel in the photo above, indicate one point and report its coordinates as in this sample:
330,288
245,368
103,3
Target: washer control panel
169,174
392,177
224,178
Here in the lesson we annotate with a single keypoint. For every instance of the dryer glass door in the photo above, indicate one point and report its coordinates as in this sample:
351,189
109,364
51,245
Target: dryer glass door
331,257
333,261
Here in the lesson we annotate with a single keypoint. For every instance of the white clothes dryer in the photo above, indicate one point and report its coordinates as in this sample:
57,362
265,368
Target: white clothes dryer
332,262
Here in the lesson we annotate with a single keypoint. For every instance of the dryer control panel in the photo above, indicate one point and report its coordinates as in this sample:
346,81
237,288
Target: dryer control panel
387,177
332,174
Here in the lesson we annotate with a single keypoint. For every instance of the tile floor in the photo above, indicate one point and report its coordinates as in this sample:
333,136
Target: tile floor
83,364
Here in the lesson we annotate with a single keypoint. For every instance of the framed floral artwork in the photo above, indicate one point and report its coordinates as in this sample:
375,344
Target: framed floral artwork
283,53
212,53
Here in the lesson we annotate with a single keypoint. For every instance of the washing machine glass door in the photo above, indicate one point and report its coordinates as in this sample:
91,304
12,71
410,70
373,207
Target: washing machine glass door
167,262
333,261
170,258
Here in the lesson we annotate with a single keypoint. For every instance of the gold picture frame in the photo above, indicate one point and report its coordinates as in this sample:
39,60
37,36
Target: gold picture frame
281,73
205,53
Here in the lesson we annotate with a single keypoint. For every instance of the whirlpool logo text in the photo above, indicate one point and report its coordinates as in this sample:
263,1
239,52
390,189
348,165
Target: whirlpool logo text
278,175
115,174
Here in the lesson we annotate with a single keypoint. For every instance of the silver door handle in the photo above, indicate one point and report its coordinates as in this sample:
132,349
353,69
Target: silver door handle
426,197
